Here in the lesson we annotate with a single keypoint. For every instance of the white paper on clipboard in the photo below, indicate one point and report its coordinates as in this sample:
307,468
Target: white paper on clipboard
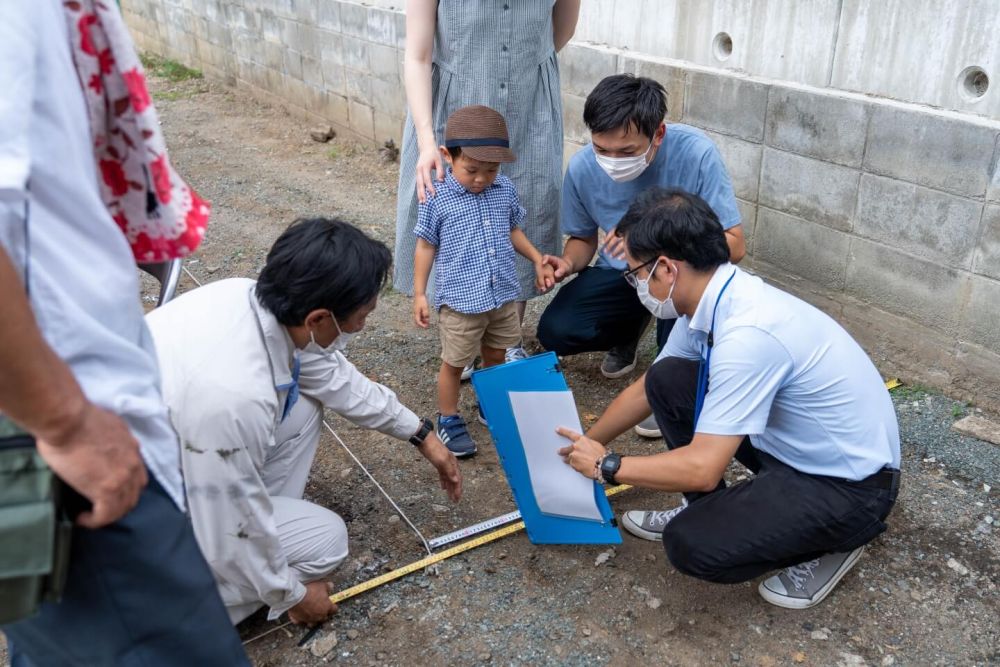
559,490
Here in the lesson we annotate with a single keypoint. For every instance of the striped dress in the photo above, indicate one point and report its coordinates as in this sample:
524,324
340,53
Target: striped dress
498,53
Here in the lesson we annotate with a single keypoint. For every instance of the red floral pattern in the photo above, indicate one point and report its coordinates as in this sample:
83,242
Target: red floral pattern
137,91
114,177
161,178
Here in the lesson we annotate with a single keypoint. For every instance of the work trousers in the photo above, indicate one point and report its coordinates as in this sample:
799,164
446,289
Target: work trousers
594,312
313,538
778,518
138,592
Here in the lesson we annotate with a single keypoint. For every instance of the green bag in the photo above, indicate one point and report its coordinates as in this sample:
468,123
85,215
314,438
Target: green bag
34,530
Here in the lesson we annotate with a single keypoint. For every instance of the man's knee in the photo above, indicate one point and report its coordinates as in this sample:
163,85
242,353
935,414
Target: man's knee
668,382
691,554
555,331
328,547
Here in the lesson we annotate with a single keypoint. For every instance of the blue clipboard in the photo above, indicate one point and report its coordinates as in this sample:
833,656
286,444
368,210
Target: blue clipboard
538,373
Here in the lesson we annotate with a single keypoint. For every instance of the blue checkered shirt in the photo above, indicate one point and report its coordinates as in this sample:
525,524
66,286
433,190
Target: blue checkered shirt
474,267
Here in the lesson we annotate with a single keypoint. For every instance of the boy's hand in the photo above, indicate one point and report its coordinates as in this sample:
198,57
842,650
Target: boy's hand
544,277
421,311
614,244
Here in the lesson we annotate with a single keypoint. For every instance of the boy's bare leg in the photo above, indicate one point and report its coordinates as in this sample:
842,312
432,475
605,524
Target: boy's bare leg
492,356
449,382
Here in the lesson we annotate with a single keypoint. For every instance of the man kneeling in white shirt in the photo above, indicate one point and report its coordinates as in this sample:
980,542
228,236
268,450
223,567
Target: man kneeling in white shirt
247,369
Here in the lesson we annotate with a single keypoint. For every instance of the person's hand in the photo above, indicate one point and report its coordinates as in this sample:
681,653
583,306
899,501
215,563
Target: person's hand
582,453
421,311
428,160
544,277
560,267
614,245
98,457
446,463
315,607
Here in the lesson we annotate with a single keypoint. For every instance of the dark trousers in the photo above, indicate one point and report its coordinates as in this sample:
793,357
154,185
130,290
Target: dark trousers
138,592
594,312
780,517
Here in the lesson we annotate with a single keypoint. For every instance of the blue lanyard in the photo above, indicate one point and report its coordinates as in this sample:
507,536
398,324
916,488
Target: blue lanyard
293,388
703,366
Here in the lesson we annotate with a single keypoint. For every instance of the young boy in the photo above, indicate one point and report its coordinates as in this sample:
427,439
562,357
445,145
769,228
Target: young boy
472,226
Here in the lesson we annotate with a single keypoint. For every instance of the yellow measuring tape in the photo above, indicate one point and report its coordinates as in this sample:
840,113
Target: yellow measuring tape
375,582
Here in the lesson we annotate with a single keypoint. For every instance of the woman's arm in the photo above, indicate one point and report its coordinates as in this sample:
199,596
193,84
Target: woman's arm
564,17
421,23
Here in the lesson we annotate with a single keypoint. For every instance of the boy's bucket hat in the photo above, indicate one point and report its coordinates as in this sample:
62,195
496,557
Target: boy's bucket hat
480,132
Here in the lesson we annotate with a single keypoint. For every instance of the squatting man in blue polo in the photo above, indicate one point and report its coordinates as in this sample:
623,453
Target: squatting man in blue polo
754,373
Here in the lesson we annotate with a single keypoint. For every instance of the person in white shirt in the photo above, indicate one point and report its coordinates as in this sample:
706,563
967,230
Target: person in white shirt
247,369
78,372
754,373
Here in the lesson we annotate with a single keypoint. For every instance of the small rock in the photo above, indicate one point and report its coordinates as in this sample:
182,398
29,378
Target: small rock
388,153
734,657
346,472
653,602
916,596
850,660
490,569
808,627
380,656
394,518
988,519
799,657
586,632
603,557
213,268
958,567
440,509
323,644
888,660
987,487
651,558
486,656
322,134
352,634
501,555
822,634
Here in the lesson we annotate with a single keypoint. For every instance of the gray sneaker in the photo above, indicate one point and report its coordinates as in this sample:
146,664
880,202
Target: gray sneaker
620,360
516,353
807,584
648,428
650,525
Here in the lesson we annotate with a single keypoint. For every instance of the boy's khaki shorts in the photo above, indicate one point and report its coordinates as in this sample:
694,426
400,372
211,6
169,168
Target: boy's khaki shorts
463,334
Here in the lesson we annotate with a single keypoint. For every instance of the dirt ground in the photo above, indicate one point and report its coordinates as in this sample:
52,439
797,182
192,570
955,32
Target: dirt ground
924,593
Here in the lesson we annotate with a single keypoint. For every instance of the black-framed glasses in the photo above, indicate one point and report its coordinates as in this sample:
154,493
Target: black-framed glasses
629,274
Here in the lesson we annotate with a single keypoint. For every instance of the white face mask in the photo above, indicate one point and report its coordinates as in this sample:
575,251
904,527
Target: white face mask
623,169
339,343
663,310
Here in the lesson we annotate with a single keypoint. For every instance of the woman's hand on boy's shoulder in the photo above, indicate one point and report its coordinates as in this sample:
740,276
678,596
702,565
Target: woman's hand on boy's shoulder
421,311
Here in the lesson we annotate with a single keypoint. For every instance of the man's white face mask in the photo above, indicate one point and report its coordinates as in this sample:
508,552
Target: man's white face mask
339,343
663,310
623,169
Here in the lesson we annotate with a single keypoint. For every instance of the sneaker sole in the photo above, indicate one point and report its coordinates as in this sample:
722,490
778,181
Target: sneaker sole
617,374
648,432
464,455
804,603
482,420
639,531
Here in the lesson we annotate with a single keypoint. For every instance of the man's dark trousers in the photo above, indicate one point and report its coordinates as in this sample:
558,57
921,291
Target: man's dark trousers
780,517
594,312
138,592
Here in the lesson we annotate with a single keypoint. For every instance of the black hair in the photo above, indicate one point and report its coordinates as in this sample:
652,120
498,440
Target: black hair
626,101
321,263
677,224
454,151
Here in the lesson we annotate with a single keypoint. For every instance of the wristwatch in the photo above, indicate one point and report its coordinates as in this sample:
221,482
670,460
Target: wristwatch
426,426
609,467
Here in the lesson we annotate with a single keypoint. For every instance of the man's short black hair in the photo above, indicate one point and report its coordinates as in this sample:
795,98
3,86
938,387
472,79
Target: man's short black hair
626,101
677,224
321,263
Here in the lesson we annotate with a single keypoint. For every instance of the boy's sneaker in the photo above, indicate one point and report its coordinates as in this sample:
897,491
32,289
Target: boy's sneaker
650,525
516,353
648,428
482,417
468,370
807,584
455,436
620,360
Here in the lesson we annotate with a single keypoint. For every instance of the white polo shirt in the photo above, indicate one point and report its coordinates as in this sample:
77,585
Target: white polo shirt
790,377
82,277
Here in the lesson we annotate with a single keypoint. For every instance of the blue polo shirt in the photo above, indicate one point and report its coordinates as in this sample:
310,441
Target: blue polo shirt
686,159
789,376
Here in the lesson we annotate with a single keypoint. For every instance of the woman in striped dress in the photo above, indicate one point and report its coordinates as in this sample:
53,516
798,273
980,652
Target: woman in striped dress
502,54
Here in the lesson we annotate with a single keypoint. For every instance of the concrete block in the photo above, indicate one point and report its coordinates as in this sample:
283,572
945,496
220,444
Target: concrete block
979,427
297,93
243,46
213,10
388,127
289,33
331,46
820,126
944,153
928,223
387,98
400,19
382,62
993,189
237,17
274,55
727,104
569,150
359,86
337,110
312,73
334,80
582,67
282,8
293,64
981,319
904,284
742,160
803,248
307,43
574,128
748,218
362,120
355,53
382,26
306,11
818,191
220,35
673,79
328,15
354,20
270,27
987,260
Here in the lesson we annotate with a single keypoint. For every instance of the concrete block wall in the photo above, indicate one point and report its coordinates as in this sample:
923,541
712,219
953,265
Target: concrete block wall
885,214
